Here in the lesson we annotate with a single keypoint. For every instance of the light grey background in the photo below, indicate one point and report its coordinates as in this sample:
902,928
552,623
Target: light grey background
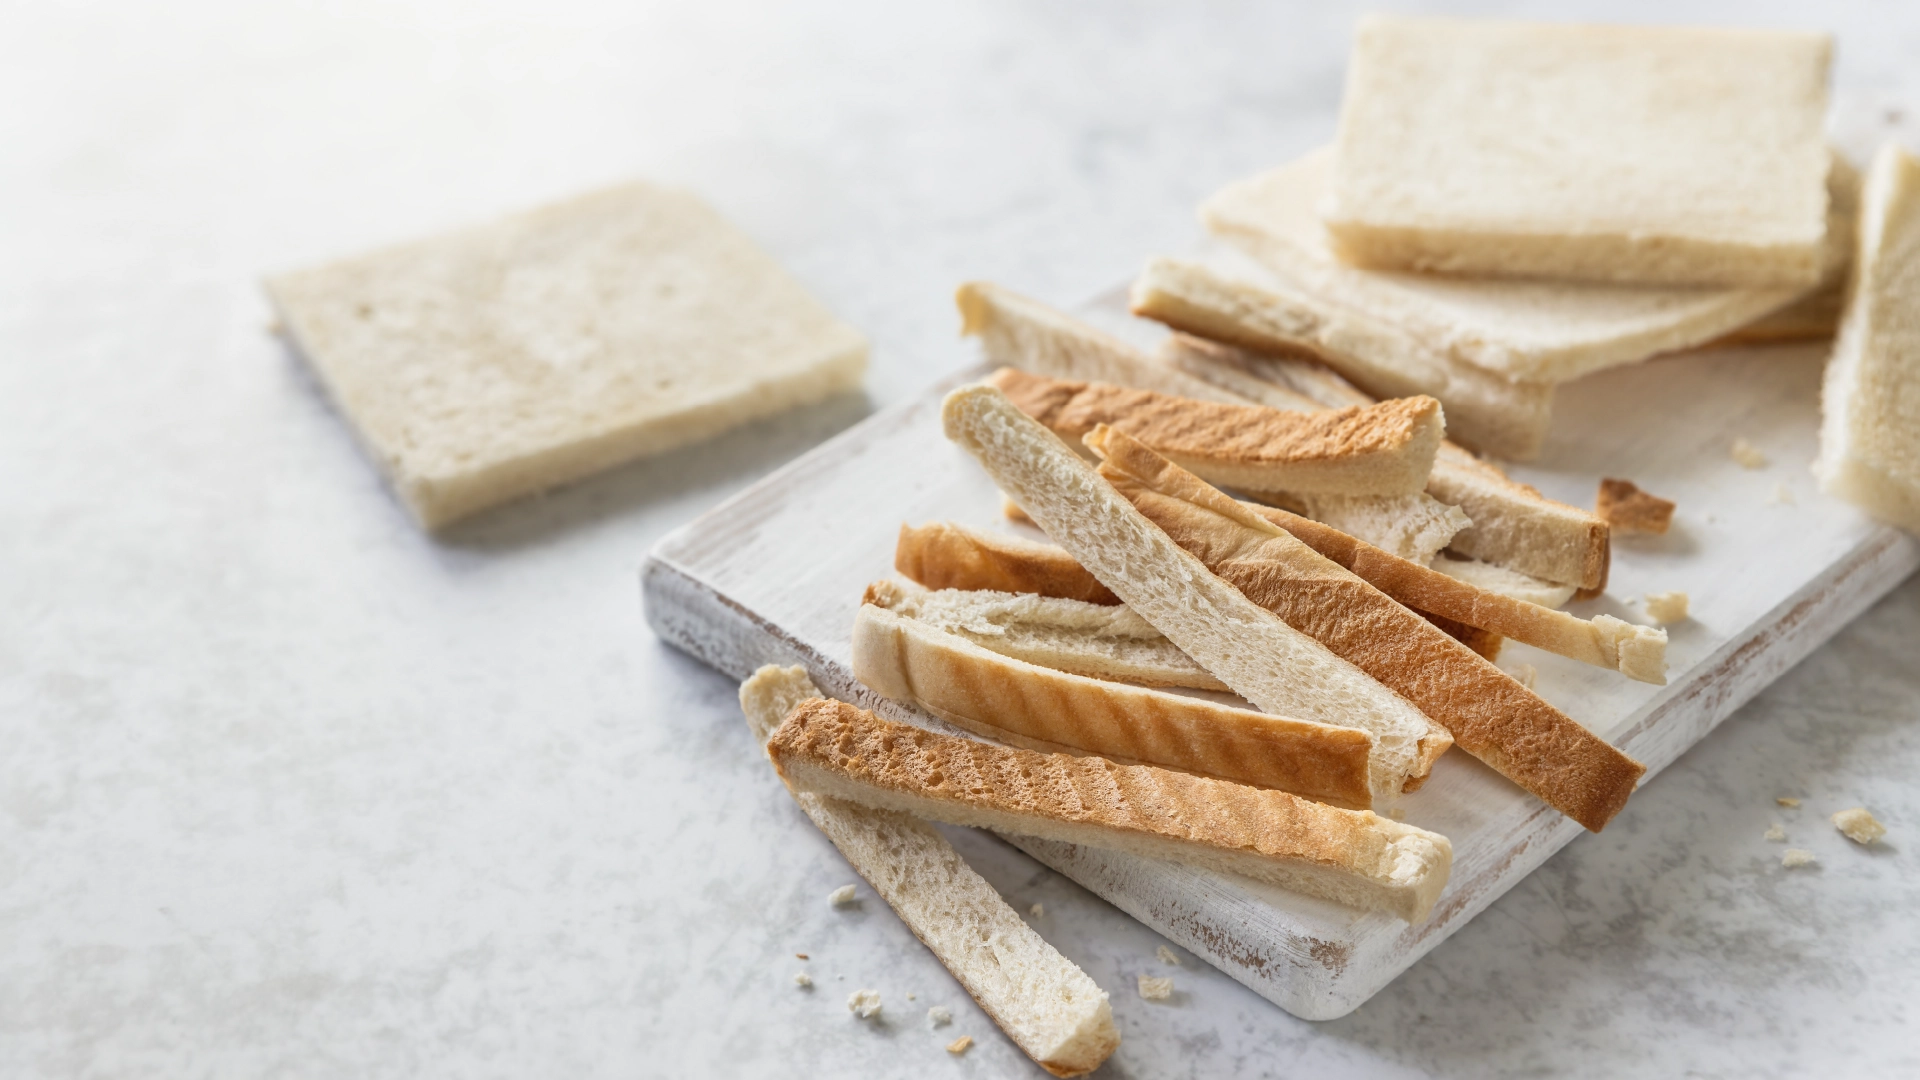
288,790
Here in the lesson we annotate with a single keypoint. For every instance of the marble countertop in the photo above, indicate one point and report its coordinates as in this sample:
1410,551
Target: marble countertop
291,790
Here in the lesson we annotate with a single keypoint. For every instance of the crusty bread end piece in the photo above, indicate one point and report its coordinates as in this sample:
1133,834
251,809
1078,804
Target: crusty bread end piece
1870,399
493,362
1015,702
1627,509
1045,1004
1352,857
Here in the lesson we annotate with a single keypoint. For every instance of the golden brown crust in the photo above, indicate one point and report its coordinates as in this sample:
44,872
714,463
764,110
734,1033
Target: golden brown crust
1007,699
1390,445
1247,825
1490,715
1623,506
1484,643
942,555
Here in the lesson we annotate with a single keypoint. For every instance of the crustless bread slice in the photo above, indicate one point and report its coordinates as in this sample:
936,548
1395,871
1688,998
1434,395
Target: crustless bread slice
1352,857
1277,668
1600,153
1045,1004
490,363
1026,705
1870,400
1381,449
1490,715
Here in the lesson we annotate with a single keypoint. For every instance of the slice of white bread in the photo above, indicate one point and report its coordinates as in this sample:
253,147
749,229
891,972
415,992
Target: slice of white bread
1352,857
1277,668
1240,302
1045,1004
1038,708
1381,449
494,362
1507,523
1870,399
1067,634
1595,153
1545,331
1490,715
1100,641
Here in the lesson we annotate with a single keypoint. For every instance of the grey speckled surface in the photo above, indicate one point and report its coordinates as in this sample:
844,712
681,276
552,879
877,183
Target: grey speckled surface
289,790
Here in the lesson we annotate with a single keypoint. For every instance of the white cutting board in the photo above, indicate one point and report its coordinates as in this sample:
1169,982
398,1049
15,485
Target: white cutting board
1772,567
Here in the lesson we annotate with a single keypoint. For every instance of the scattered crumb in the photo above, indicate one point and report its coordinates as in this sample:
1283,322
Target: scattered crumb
864,1004
803,980
1627,509
1782,495
841,896
1666,607
1796,857
1037,910
1776,833
1166,956
959,1045
1858,825
910,997
800,955
1788,801
1155,989
938,1016
1747,454
1525,674
1397,814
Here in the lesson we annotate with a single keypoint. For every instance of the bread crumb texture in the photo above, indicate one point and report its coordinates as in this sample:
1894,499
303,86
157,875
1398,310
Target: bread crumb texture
1858,825
1155,989
939,1016
864,1004
1776,834
1167,956
960,1045
1747,455
1794,856
493,362
1666,607
841,896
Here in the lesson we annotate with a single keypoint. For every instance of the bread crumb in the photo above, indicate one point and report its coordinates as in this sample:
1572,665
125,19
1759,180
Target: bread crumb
1037,910
1747,454
1859,826
841,896
1525,674
938,1016
1796,857
1776,833
864,1004
1787,801
1166,956
1155,989
959,1045
1666,607
910,997
800,956
803,980
1397,814
1627,509
1782,495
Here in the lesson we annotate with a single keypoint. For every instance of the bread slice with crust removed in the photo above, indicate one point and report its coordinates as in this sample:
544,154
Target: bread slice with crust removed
1381,449
1277,668
1049,1007
1038,708
1100,641
1491,716
1352,857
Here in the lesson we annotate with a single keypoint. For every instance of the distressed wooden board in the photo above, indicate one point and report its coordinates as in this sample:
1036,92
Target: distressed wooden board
1772,567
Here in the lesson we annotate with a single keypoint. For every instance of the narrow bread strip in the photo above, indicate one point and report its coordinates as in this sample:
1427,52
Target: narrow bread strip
1040,709
1253,309
1252,650
941,555
1017,331
1870,399
1100,641
1382,449
1352,857
1045,1004
1491,716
